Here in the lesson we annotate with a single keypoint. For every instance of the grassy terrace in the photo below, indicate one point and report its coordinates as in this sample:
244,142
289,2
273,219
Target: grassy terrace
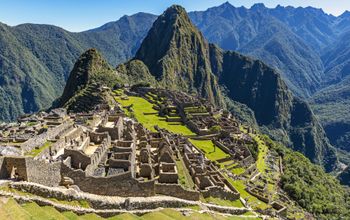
184,177
253,201
141,106
35,152
207,146
217,201
11,210
261,165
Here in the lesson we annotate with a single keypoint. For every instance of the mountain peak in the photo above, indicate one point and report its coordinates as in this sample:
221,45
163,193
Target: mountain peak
258,6
175,9
177,54
346,14
89,72
226,4
175,13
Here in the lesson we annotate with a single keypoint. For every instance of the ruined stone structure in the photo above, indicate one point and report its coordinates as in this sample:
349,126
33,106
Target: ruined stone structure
106,153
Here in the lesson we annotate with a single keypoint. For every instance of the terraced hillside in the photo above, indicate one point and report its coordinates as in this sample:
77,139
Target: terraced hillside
11,210
141,107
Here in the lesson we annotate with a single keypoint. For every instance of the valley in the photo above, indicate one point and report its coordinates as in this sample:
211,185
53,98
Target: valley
227,113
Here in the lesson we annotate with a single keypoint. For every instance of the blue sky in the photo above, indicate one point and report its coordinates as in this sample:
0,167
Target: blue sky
79,15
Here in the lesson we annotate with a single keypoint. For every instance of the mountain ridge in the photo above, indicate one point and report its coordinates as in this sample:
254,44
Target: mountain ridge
247,81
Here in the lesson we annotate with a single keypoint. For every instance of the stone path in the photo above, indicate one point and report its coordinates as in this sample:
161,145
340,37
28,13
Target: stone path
109,202
102,212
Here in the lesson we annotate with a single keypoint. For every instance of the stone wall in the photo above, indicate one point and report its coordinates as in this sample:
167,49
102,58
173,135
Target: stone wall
17,163
28,169
60,143
117,185
79,160
3,171
219,192
176,190
51,133
48,174
97,138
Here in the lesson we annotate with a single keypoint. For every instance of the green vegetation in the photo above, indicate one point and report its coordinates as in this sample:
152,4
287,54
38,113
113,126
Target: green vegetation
212,152
83,89
185,178
217,201
308,184
125,216
78,203
332,108
32,123
37,59
215,129
238,171
260,164
176,54
35,152
141,106
11,210
252,200
39,213
70,215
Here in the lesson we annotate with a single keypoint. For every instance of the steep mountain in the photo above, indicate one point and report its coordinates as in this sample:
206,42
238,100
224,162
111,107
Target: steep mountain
260,32
118,41
332,107
342,23
25,83
35,60
308,47
184,60
84,88
181,57
337,60
312,25
261,88
332,103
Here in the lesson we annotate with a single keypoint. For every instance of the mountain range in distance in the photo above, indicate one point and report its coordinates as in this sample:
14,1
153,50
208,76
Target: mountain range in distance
305,45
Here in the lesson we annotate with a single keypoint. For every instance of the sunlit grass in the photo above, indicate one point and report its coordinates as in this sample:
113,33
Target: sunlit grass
141,106
211,152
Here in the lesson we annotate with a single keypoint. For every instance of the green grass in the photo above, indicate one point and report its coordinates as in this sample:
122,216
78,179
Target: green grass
12,210
222,202
242,218
184,177
252,200
141,106
194,207
91,216
35,152
70,215
125,216
207,146
263,149
37,212
32,123
78,203
51,211
173,214
238,171
156,216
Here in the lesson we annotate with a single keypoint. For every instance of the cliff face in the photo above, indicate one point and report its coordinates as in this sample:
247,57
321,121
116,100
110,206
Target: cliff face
177,55
261,88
